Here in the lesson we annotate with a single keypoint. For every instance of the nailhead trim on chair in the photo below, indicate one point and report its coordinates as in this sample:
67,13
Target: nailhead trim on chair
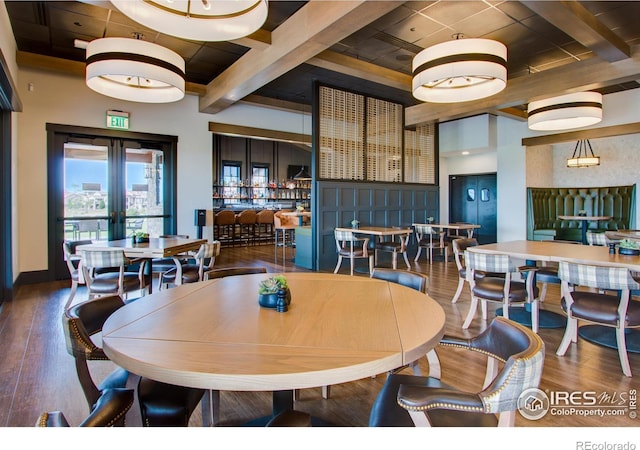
477,350
89,345
441,405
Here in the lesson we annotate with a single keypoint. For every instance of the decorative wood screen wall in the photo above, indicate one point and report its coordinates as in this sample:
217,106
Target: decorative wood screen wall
362,138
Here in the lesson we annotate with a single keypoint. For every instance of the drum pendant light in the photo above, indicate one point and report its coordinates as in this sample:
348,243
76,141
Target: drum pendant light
565,112
134,70
199,20
583,155
460,70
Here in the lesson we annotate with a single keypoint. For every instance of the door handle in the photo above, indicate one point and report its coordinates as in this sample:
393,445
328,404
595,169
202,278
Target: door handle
113,217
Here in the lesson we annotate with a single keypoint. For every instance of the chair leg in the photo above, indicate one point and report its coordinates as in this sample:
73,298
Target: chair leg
72,294
622,351
338,265
371,262
534,315
456,296
394,261
326,392
570,331
435,370
352,262
406,260
418,254
471,313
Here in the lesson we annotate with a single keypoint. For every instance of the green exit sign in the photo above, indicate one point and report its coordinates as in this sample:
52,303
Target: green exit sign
118,120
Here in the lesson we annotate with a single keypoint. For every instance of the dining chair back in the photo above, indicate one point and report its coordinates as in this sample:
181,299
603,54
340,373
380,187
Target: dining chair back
348,245
396,245
459,247
73,264
490,277
161,404
109,411
597,238
413,280
186,272
104,272
430,239
608,303
515,360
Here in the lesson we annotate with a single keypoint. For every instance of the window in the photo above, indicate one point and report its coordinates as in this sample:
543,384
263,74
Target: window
231,181
260,182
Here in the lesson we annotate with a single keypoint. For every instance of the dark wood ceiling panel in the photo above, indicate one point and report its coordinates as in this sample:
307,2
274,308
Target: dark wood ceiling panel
388,42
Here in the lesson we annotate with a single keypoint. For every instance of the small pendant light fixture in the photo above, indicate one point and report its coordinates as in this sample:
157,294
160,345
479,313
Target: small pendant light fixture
199,20
302,175
565,112
134,70
581,157
460,70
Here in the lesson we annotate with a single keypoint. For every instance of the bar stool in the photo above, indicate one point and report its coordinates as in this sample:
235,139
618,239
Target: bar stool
283,229
224,225
264,225
246,226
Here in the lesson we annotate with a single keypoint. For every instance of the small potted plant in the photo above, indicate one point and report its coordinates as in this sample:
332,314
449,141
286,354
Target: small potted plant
300,208
629,247
582,213
355,223
268,291
430,219
140,237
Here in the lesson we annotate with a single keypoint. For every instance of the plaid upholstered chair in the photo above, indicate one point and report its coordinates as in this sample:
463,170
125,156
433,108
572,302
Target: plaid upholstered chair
430,239
73,264
352,247
498,286
597,239
189,272
104,272
397,244
611,306
407,400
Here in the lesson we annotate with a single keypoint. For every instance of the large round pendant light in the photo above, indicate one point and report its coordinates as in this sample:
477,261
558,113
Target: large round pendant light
460,70
200,20
134,70
565,112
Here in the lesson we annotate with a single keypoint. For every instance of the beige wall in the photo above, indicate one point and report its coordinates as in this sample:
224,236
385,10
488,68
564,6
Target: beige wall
62,99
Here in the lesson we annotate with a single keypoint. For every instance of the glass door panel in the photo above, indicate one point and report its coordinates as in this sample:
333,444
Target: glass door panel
87,209
144,194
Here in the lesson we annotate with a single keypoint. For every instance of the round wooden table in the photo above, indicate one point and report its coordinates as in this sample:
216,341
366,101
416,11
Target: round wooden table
214,335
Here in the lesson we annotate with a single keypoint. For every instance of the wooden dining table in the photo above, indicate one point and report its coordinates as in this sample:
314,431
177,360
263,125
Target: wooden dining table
378,232
214,335
156,248
584,223
551,251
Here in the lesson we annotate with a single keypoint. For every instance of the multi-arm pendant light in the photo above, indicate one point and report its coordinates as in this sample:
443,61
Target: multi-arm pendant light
565,112
583,155
200,20
134,70
460,70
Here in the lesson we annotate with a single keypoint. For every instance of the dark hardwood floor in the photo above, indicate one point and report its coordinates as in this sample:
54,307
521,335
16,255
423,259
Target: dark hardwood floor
38,375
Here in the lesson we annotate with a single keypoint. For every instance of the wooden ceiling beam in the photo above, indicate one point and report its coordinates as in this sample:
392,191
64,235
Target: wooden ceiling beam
312,29
575,20
579,76
349,65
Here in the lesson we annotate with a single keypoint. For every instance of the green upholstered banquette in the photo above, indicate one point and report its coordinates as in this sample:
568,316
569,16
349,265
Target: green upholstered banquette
544,205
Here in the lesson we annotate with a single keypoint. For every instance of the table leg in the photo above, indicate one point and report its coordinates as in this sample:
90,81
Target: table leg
585,224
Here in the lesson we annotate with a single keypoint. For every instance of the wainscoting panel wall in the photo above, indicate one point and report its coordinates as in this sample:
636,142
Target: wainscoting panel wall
376,204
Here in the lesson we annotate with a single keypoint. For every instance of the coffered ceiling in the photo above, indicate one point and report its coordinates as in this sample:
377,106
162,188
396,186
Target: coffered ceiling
554,47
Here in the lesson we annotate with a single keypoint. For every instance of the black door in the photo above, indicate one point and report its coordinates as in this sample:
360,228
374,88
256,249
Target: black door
108,187
473,199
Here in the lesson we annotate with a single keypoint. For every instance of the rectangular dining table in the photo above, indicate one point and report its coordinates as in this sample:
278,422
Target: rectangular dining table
378,231
156,248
